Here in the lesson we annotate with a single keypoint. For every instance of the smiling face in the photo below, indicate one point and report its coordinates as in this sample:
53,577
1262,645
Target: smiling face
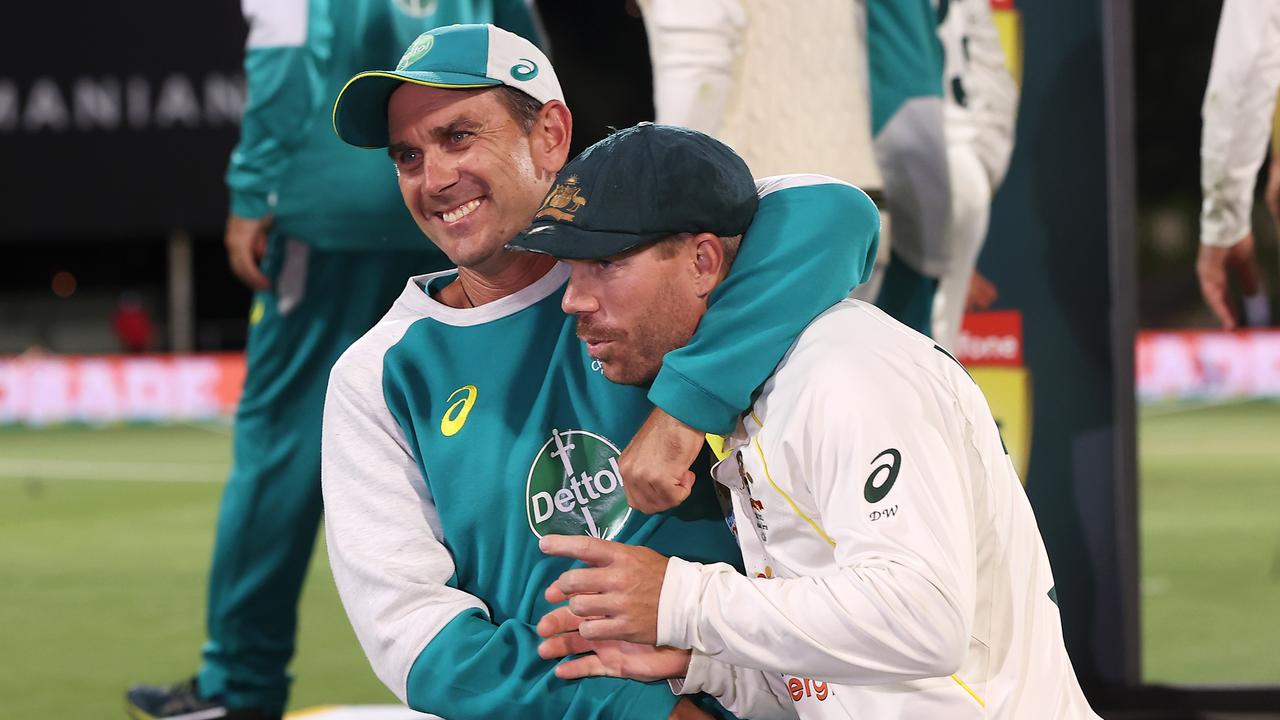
470,174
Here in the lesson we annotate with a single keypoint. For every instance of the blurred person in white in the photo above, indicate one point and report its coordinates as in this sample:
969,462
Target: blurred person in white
846,89
979,118
1238,106
787,90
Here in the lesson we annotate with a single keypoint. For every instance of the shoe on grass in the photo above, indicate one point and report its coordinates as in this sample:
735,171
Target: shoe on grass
183,702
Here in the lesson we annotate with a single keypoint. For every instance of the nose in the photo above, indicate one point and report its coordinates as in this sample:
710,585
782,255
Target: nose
578,299
439,173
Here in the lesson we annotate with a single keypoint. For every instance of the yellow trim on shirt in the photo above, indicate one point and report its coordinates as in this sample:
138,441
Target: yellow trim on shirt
716,443
816,528
969,690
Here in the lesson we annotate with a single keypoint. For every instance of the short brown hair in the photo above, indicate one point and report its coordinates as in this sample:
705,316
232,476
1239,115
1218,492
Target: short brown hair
522,106
667,247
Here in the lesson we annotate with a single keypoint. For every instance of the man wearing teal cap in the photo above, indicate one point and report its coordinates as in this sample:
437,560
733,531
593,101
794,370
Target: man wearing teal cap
470,421
318,231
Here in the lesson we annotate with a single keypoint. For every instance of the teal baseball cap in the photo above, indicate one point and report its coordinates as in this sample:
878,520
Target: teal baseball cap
456,57
638,186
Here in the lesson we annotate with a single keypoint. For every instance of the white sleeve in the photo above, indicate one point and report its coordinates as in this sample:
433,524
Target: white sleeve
993,93
1237,111
383,532
692,46
755,694
898,602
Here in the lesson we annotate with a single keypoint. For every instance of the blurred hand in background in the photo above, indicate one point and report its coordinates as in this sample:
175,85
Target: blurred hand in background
1213,265
246,241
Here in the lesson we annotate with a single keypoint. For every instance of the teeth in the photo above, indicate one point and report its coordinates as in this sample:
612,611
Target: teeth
461,211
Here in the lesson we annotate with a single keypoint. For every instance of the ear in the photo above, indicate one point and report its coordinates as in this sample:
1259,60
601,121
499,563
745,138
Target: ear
709,262
549,140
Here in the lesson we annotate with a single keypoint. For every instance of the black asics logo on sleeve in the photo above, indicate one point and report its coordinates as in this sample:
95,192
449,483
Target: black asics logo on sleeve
882,478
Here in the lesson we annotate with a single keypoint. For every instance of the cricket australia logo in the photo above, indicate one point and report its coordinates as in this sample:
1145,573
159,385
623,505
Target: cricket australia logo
575,487
564,201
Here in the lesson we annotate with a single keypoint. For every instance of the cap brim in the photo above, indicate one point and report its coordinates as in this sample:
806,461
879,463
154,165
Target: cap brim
360,113
568,242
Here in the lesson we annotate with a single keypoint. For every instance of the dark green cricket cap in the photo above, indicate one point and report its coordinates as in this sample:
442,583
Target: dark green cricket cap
640,185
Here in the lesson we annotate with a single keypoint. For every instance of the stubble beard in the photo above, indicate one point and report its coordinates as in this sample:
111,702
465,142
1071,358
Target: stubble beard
638,352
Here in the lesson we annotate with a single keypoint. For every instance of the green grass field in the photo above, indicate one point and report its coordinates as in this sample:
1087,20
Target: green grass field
105,541
1210,533
105,538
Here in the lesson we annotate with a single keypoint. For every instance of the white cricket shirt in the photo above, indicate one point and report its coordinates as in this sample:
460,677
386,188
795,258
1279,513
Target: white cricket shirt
895,569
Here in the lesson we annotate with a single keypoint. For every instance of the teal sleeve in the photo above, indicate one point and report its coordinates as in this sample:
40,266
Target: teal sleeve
904,55
284,93
475,669
806,249
521,18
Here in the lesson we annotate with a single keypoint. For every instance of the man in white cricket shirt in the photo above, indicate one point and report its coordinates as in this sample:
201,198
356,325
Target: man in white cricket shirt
1238,105
895,569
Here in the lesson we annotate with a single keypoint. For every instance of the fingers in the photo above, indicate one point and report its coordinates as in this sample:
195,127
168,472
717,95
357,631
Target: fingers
1212,272
592,551
1244,263
243,255
1215,296
652,498
656,462
982,294
586,580
585,666
584,605
245,268
608,628
246,242
639,498
554,595
563,646
560,620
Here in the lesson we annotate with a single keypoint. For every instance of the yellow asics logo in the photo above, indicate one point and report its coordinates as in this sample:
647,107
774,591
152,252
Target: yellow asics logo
456,416
256,312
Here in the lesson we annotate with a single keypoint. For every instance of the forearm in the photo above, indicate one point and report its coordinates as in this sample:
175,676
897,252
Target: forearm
868,625
756,694
813,240
282,91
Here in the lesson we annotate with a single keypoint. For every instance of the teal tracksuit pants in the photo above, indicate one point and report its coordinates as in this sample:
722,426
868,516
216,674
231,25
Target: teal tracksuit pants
319,303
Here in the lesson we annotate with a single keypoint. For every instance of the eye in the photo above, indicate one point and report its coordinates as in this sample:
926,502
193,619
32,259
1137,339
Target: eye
604,263
458,137
407,158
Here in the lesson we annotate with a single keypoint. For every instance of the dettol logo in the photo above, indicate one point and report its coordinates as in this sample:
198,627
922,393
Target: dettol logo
575,487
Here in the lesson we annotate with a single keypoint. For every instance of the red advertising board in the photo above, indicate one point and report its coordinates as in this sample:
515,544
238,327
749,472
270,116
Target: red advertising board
1208,365
42,389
